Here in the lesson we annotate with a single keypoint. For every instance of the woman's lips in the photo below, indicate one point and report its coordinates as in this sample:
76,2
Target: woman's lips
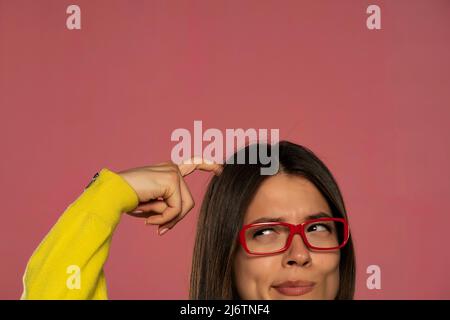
299,288
294,291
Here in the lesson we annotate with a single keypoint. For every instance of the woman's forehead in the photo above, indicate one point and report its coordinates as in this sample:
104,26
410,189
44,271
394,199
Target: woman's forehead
292,197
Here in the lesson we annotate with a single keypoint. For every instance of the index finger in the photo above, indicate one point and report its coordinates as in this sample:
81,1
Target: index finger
190,165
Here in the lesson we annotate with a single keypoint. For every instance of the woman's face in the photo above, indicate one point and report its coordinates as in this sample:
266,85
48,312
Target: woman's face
292,198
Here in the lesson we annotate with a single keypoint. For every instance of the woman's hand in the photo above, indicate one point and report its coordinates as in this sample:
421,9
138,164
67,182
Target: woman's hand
164,198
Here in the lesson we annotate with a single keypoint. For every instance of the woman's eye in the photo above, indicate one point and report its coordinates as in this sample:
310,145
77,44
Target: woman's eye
318,227
261,232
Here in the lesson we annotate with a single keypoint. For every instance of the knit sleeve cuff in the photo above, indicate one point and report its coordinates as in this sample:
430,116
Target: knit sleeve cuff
108,197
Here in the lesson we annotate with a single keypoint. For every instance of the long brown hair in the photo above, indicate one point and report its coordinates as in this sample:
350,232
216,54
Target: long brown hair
222,213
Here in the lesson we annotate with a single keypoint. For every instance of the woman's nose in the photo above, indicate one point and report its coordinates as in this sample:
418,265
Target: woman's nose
297,253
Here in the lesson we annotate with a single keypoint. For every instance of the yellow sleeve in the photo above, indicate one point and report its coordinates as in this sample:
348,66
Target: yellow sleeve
68,263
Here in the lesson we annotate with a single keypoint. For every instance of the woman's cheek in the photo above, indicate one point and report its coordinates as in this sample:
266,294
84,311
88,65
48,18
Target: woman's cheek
327,265
253,276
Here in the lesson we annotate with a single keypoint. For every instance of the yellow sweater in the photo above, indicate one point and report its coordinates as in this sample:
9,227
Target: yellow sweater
68,263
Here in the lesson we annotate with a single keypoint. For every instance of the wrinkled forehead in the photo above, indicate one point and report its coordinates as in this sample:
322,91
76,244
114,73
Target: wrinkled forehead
291,197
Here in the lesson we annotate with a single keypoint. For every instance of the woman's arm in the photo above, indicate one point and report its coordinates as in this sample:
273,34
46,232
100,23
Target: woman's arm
68,264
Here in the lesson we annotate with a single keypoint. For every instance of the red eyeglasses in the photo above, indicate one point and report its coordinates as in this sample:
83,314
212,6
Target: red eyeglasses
274,237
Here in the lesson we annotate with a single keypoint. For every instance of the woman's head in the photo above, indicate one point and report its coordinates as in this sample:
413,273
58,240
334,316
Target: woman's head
302,189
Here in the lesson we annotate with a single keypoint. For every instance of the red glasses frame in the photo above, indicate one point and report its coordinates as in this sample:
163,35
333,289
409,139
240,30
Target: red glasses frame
294,229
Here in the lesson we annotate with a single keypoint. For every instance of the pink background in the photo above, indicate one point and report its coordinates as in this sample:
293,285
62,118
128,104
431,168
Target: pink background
374,105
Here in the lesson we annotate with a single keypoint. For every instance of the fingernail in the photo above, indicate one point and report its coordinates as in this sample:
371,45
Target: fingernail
163,231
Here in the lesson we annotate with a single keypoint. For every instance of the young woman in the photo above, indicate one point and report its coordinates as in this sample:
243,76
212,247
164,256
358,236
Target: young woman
284,236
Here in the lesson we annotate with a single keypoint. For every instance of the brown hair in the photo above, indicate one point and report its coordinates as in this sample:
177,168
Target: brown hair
222,213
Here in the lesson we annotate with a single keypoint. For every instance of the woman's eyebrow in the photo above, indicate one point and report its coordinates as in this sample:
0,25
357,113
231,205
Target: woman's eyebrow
282,219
